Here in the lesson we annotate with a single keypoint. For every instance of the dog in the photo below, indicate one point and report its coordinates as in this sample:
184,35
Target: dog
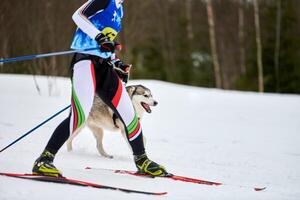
103,118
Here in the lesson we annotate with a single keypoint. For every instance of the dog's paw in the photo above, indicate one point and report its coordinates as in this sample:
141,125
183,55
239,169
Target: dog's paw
108,156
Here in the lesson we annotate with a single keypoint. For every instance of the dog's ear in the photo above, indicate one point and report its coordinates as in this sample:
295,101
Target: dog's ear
130,90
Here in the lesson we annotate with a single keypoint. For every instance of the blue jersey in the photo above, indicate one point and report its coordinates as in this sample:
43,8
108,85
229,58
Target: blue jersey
92,19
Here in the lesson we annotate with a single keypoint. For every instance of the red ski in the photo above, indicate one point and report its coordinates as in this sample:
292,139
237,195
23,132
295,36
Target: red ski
64,180
172,177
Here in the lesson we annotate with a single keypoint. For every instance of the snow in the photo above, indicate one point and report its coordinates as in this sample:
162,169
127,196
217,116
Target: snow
242,139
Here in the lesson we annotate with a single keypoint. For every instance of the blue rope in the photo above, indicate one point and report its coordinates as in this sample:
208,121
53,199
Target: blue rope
33,129
31,57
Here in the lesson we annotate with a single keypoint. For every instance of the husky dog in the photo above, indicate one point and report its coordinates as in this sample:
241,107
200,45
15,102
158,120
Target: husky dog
103,118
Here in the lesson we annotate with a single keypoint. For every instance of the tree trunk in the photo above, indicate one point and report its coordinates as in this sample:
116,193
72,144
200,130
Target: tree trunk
189,26
171,70
277,45
241,33
259,47
213,44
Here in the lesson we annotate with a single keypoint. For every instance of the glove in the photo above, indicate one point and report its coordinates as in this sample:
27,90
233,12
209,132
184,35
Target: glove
121,69
105,44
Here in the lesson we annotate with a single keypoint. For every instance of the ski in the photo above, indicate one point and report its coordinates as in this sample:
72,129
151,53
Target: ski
172,177
69,181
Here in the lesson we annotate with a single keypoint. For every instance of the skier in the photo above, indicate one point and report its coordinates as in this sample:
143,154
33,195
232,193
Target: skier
98,71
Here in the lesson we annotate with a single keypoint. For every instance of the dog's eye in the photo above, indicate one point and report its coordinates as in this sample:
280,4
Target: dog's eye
146,95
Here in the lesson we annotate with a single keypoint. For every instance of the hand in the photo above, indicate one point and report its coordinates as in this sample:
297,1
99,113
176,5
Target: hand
118,46
105,44
121,69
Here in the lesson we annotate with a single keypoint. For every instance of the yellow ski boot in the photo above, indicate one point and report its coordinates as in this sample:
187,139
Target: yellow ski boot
146,166
44,165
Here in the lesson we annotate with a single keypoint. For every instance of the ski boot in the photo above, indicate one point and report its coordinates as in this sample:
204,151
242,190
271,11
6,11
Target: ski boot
44,165
146,166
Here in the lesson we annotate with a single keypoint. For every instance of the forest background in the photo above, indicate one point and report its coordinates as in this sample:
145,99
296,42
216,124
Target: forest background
250,45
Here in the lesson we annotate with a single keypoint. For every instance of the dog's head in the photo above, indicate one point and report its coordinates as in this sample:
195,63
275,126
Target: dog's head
142,99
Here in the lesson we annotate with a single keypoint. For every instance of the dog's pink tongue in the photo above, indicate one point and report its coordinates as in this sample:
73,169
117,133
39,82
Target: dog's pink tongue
146,107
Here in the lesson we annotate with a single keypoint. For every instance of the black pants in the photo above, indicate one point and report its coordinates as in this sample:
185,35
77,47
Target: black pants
90,75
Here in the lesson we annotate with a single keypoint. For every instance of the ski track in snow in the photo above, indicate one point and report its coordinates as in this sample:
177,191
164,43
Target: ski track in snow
242,139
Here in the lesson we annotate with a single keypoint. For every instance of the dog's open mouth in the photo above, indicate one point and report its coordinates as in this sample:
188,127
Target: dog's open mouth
146,107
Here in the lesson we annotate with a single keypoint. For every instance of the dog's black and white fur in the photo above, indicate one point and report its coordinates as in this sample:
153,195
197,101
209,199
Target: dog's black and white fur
103,118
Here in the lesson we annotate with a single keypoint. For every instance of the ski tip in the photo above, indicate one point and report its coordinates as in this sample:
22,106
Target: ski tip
88,168
259,188
161,193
